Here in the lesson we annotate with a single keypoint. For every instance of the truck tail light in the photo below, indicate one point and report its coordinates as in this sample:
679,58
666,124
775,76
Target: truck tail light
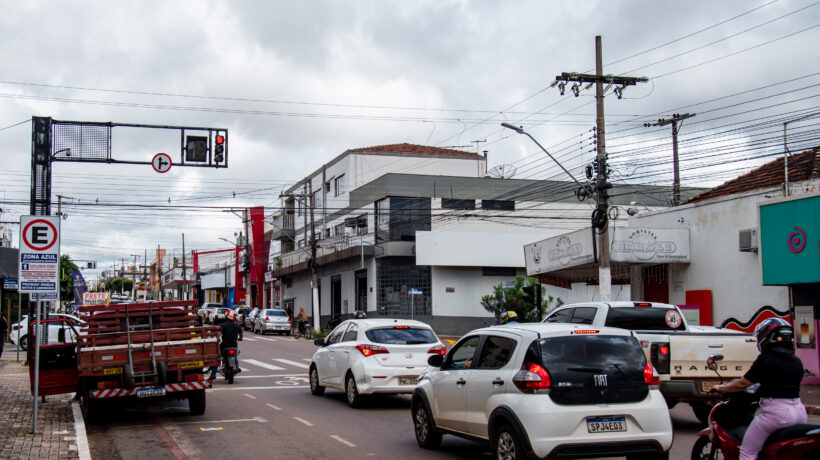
438,350
532,378
105,384
193,377
659,356
368,350
651,377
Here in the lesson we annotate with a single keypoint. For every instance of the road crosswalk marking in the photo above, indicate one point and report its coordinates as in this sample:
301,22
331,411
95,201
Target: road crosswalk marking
265,365
289,362
266,338
342,440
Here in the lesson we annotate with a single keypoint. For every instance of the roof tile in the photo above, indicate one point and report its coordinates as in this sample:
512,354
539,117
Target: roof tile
416,150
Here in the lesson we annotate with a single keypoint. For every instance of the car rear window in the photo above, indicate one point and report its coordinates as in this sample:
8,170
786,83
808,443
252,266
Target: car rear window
276,313
401,335
645,318
593,369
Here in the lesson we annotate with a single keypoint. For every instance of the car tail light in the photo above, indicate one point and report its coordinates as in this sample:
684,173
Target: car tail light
368,350
642,304
438,350
288,318
401,327
15,327
267,319
230,352
532,378
659,356
585,331
651,377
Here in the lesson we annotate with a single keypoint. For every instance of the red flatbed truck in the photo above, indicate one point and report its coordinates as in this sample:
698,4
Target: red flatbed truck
128,351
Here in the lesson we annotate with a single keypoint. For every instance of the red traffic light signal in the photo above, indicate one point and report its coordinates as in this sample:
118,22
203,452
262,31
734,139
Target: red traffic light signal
219,148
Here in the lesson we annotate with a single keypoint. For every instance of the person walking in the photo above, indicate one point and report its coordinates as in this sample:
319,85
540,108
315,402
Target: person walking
4,326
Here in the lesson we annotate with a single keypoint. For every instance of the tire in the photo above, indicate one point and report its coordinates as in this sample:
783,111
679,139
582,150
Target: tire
315,388
196,402
660,456
89,407
354,399
127,377
507,445
701,411
426,435
702,450
162,374
24,342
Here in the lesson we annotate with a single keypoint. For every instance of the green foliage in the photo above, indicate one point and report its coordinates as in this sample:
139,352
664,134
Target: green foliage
512,298
119,285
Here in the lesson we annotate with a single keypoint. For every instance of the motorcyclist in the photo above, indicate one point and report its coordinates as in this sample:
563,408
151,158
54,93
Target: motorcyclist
509,317
779,373
359,314
231,334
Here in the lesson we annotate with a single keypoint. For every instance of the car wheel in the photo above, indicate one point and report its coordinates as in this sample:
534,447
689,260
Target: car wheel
24,342
507,444
315,388
701,411
426,434
354,399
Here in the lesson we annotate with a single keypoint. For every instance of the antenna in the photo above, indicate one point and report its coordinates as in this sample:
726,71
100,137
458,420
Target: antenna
505,171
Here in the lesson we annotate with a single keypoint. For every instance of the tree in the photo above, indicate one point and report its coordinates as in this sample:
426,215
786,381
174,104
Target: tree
514,299
67,268
119,285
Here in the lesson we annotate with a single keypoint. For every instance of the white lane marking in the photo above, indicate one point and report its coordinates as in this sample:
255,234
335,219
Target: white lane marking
249,339
277,387
292,363
267,338
265,365
270,375
301,420
250,396
273,407
342,440
307,359
255,419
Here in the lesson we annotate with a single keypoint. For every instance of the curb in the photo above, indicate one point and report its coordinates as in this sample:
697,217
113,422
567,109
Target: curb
79,432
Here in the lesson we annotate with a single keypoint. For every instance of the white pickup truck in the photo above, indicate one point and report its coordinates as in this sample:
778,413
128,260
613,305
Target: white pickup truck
676,350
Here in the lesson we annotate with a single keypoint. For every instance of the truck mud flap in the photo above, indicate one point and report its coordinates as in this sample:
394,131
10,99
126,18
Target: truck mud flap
169,388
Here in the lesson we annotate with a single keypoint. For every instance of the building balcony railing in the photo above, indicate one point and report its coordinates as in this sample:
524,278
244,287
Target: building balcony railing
328,250
283,226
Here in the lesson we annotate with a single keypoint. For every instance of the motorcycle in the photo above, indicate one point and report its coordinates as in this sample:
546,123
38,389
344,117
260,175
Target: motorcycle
729,420
230,364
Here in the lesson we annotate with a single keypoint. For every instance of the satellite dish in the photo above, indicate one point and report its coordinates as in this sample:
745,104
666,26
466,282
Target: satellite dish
506,171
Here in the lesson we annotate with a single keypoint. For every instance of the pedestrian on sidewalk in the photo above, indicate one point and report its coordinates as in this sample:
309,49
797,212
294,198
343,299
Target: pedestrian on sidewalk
4,326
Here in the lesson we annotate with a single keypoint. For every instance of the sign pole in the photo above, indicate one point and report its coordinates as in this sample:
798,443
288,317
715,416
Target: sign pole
19,314
37,334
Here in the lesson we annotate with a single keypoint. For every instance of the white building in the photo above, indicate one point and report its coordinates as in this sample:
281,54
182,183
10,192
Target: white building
415,231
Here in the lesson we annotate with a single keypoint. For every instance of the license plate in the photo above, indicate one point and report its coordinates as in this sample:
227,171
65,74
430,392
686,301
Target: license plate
191,364
150,392
706,385
408,380
606,424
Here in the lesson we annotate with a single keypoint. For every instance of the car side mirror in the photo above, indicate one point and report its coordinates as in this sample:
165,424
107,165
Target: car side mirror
435,360
320,342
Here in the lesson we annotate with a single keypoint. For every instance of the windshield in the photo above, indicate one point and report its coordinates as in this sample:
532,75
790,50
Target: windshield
401,335
645,318
276,313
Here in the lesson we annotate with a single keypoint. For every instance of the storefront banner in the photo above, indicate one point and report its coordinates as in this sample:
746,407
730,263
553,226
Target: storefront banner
560,252
789,237
649,245
96,298
213,280
804,326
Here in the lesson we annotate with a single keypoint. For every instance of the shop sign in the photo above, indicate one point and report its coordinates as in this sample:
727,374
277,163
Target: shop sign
564,251
650,245
790,241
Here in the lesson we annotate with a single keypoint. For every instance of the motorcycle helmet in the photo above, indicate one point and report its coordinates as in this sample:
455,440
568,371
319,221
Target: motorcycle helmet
509,316
775,334
231,315
359,314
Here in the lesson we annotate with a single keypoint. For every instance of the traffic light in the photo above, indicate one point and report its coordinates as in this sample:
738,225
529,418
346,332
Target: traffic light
196,148
529,294
219,148
246,261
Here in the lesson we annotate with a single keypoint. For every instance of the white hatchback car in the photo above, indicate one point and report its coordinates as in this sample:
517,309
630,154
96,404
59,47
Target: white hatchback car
366,356
545,390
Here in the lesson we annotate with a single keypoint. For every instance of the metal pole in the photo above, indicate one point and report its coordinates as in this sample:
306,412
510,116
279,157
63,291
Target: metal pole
19,314
37,335
604,272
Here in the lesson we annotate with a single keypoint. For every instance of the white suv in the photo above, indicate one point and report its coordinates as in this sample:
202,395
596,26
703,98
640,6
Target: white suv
545,390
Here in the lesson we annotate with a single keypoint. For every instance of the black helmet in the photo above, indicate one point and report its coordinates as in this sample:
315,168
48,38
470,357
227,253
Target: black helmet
775,334
359,314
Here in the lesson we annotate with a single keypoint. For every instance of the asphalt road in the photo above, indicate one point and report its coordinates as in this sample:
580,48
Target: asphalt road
269,413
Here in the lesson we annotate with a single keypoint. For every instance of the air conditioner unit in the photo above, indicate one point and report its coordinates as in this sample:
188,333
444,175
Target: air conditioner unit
748,240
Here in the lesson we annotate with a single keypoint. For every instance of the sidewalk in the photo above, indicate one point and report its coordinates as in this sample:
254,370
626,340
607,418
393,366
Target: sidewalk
55,438
810,395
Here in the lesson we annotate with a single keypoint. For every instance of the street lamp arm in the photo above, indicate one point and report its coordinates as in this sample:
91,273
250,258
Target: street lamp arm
519,130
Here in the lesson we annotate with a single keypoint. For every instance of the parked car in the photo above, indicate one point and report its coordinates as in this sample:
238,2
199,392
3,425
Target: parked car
204,311
218,315
366,356
545,390
676,349
241,312
271,320
249,318
19,331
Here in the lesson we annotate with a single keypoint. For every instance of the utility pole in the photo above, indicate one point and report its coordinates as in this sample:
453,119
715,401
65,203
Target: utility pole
675,128
246,243
600,215
159,274
184,270
122,274
314,274
134,278
144,273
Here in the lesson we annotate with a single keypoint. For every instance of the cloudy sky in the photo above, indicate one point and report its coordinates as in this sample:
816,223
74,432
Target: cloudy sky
297,83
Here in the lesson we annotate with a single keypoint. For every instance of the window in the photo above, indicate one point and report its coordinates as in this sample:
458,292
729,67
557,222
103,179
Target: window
449,203
560,316
339,229
583,315
508,272
351,334
340,184
645,318
327,187
335,335
495,352
461,356
498,205
401,335
300,207
301,243
394,277
317,199
327,233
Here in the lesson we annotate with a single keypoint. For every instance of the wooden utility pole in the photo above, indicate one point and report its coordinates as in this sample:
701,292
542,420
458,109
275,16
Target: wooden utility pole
600,216
675,128
314,274
246,243
184,270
